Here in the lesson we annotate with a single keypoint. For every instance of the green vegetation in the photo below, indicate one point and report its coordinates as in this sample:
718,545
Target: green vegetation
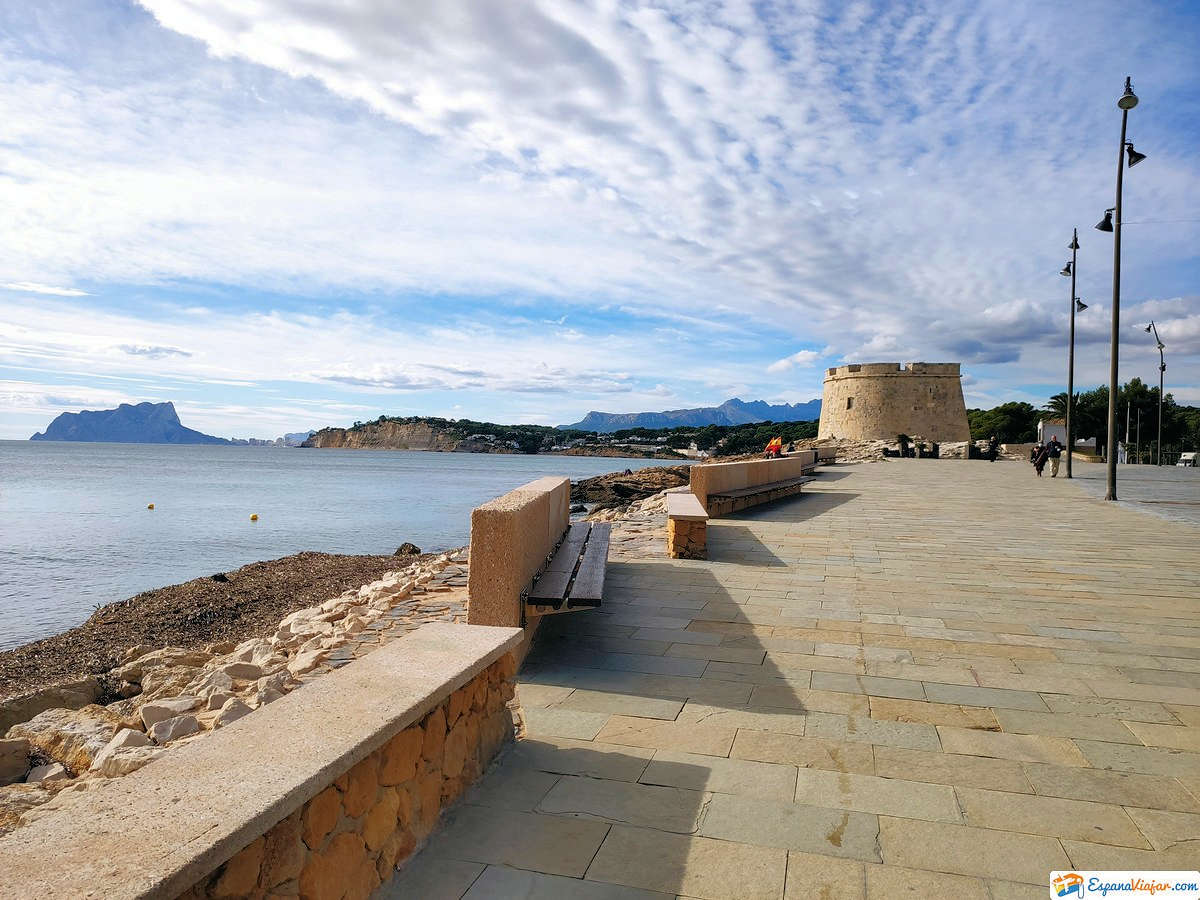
1016,423
720,440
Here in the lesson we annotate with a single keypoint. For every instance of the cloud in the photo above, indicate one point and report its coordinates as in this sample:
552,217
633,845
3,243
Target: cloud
740,178
802,358
151,352
29,287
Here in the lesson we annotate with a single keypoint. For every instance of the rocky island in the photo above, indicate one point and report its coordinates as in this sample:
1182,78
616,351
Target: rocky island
143,423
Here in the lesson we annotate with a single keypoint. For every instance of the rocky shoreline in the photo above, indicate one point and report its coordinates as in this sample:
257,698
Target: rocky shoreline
65,738
226,606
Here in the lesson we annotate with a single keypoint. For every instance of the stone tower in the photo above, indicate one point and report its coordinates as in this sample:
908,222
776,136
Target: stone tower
877,401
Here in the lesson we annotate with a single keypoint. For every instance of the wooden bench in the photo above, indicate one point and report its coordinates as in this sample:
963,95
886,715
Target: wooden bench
687,527
574,577
729,500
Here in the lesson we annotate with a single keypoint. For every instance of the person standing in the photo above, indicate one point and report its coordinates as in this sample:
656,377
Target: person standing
1054,451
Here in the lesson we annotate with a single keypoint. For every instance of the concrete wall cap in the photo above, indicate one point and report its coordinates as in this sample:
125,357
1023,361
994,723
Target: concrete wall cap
158,831
686,508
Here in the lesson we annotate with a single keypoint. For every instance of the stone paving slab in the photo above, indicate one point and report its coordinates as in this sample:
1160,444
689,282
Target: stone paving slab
925,679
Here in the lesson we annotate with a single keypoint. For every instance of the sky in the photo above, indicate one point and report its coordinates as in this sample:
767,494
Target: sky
283,215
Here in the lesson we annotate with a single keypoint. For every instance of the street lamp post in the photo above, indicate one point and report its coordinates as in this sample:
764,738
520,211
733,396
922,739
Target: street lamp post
1162,368
1069,269
1127,101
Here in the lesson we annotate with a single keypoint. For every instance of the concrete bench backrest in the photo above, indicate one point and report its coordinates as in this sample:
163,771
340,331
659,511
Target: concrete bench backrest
511,537
712,478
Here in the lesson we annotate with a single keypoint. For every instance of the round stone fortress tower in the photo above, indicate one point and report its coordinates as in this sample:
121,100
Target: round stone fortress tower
877,401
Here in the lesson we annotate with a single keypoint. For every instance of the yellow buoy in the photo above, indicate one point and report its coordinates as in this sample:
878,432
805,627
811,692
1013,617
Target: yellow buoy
253,517
149,506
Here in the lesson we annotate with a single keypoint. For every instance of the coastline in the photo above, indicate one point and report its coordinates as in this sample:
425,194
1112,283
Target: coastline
232,606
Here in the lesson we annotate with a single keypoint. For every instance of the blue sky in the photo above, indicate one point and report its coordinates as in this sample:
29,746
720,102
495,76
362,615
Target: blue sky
284,215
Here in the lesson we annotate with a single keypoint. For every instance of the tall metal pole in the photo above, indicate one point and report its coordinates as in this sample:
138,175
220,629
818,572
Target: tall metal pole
1162,368
1071,352
1114,338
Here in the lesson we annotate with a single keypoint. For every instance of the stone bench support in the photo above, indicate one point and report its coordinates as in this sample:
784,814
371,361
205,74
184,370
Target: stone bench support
512,537
319,794
687,527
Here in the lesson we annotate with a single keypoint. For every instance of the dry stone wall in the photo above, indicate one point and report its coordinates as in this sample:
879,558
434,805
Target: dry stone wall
877,401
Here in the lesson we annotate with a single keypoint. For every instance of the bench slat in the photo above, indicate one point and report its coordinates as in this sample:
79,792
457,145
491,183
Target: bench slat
551,587
589,580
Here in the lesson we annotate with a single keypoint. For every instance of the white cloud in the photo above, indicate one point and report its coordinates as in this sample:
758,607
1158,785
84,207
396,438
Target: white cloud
29,287
802,359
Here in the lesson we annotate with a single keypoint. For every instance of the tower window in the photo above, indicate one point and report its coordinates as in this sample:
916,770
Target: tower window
849,403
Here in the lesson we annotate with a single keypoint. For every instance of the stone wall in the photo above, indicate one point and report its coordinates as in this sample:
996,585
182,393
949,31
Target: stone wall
317,795
349,838
877,401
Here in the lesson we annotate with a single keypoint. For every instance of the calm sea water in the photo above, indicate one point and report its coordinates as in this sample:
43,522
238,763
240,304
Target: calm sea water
75,531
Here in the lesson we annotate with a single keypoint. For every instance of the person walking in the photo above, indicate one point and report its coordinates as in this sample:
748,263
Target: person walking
1039,461
1054,451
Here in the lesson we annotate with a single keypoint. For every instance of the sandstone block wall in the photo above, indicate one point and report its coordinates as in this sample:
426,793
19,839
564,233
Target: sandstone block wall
713,478
877,401
687,539
511,536
350,838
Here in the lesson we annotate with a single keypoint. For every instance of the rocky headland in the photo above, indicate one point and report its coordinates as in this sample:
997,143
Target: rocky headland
389,435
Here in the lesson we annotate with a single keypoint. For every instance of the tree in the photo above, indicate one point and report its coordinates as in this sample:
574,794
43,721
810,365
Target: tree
1011,423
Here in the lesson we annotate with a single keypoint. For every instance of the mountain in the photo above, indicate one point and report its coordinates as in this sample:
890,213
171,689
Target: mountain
731,412
145,423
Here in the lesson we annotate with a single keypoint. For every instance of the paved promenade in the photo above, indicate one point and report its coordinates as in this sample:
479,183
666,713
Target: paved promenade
918,679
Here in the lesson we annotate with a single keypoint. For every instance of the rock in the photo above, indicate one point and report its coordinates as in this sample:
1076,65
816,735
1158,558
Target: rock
242,670
72,737
129,689
67,695
167,657
168,681
211,680
220,648
174,729
408,549
127,752
136,653
51,772
230,712
17,799
262,698
277,682
160,710
306,661
125,760
218,699
14,760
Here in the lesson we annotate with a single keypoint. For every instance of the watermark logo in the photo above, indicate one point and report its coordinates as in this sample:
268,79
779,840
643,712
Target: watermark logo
1068,884
1125,885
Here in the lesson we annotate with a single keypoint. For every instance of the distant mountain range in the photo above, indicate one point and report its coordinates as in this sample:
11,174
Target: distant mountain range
731,412
145,423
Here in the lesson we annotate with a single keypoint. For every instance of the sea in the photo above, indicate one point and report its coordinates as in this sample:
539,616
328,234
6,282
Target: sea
76,533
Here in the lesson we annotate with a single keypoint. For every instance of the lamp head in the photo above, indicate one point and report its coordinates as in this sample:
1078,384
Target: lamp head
1066,270
1128,99
1148,327
1134,156
1074,245
1080,306
1106,223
